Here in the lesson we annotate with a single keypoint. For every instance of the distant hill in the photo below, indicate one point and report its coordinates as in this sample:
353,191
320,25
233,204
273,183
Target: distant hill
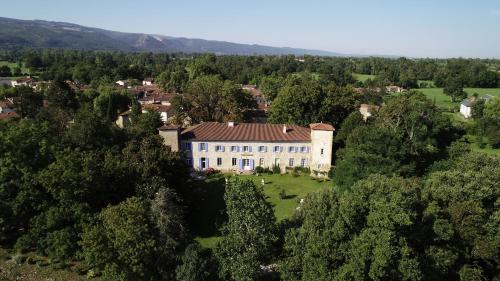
48,34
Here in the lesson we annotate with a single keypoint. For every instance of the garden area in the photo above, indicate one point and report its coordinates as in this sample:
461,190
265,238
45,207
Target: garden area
283,191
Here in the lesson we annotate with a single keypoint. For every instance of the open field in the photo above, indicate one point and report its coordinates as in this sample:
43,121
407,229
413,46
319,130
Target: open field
12,65
362,77
209,201
443,101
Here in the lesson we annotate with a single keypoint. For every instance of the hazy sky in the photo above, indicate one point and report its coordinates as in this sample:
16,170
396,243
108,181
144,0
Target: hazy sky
418,28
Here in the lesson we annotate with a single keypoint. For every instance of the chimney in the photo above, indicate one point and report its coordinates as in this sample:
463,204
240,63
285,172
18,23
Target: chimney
284,129
230,124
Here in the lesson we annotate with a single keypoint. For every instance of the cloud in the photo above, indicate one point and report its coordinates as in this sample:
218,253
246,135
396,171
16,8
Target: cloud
496,12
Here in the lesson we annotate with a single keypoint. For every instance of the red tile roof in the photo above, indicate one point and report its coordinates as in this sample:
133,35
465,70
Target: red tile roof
169,127
7,115
157,107
213,131
321,127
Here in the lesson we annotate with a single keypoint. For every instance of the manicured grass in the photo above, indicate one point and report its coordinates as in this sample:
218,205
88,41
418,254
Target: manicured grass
209,201
362,77
443,101
13,65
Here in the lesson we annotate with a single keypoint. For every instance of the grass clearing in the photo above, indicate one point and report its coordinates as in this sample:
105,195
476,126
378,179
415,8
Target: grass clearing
208,203
362,77
13,65
444,102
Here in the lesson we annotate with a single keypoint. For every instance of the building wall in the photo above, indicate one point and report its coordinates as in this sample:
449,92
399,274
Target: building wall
269,158
465,110
170,139
322,150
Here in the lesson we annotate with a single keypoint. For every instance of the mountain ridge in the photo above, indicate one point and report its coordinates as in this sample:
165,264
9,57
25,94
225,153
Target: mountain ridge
54,34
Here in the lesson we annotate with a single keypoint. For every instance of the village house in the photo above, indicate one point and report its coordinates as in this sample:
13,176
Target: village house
157,98
123,119
8,115
258,114
6,106
367,110
233,147
147,81
394,89
163,110
467,104
124,83
24,81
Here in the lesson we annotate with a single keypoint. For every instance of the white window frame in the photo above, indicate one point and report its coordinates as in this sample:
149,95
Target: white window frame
234,148
219,161
291,162
218,148
276,148
262,148
303,162
234,162
261,162
246,148
203,146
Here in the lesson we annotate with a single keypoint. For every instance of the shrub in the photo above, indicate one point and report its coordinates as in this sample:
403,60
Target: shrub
282,194
276,169
211,171
259,169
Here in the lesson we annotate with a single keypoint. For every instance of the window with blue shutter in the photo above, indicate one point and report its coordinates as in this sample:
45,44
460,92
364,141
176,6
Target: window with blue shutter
240,163
252,164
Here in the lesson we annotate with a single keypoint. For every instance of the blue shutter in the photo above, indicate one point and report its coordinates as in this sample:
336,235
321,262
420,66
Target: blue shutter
199,146
249,148
206,161
238,148
240,162
265,148
199,163
223,148
251,164
281,148
206,147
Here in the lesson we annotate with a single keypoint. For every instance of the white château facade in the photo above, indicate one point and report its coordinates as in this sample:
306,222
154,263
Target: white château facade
232,147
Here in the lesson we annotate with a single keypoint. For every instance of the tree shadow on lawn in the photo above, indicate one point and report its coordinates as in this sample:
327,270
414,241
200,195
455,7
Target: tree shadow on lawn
207,208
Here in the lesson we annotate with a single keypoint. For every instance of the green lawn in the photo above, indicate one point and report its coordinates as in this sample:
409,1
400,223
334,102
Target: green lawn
12,65
362,77
444,101
209,202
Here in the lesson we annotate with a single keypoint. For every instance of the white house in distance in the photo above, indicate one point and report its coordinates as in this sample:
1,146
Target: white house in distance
467,104
232,147
466,107
147,81
367,110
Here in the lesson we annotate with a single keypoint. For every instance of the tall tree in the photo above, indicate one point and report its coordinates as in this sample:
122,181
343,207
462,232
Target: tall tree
250,233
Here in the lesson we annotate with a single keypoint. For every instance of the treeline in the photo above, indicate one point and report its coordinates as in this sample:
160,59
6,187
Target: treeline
411,200
173,70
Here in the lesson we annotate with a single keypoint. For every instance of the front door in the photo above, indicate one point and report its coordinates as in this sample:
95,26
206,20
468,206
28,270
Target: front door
246,165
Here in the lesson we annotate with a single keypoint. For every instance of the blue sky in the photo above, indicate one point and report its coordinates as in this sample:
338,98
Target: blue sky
416,28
